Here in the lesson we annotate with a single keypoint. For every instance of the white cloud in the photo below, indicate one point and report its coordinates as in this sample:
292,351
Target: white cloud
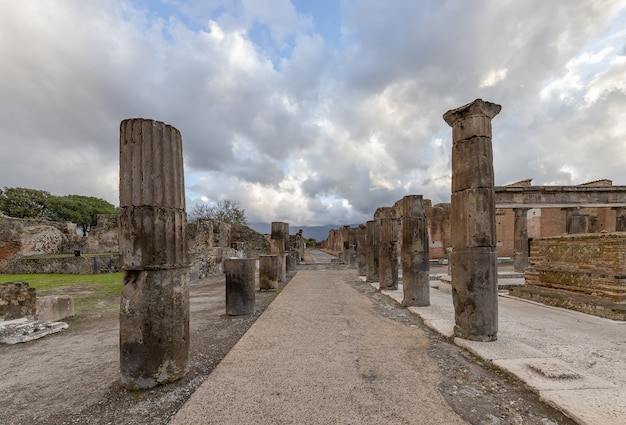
300,129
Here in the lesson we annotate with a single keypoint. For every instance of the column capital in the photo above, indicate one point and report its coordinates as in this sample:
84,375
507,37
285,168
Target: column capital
477,107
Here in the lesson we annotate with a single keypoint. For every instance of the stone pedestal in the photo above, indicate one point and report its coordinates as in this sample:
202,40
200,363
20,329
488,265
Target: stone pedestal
239,286
388,250
268,272
154,306
415,261
472,222
371,251
520,241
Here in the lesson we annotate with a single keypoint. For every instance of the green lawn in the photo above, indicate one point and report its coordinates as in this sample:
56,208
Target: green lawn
92,293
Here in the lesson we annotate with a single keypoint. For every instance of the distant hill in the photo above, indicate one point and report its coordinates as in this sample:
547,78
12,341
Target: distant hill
320,233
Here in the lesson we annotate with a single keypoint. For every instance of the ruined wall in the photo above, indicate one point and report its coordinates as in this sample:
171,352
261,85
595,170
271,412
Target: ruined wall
586,264
254,243
23,237
438,218
17,300
209,243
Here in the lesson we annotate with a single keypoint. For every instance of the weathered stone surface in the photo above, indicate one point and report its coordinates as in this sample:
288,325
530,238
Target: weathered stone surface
151,165
361,241
240,296
475,293
388,253
473,218
520,242
472,119
268,272
24,330
152,236
278,247
472,164
415,261
473,222
371,251
55,307
17,300
154,306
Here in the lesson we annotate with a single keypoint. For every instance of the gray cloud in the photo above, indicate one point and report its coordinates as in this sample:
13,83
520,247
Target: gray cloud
303,129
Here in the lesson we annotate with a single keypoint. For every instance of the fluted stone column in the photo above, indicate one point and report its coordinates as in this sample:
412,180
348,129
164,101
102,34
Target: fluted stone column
286,240
277,243
473,222
415,260
388,251
620,219
154,307
520,241
371,251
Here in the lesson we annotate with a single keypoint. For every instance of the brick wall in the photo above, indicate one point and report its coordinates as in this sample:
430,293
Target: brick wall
588,264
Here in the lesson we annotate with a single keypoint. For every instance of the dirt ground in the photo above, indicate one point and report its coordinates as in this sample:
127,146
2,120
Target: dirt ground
72,377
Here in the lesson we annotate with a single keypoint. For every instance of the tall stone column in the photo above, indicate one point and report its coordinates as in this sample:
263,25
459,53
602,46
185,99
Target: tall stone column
277,241
388,251
154,307
361,243
347,254
287,247
473,222
520,241
371,251
415,261
620,219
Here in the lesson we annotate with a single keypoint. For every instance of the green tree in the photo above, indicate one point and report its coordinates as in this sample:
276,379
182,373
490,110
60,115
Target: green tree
21,202
82,210
311,242
227,211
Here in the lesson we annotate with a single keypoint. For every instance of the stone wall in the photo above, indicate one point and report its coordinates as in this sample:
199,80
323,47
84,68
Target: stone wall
254,243
24,237
585,272
17,300
107,263
586,264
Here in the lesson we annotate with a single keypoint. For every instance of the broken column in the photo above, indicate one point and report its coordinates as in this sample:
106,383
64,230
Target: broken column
371,251
414,255
239,286
361,240
268,272
388,249
277,240
473,223
154,307
520,239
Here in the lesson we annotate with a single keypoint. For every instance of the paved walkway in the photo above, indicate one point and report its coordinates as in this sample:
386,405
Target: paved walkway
574,361
320,341
321,354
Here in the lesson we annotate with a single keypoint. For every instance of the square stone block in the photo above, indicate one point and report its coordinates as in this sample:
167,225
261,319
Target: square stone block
473,219
472,164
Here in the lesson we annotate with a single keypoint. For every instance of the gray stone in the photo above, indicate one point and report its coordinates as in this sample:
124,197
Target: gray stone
414,255
154,305
268,272
240,296
371,251
24,330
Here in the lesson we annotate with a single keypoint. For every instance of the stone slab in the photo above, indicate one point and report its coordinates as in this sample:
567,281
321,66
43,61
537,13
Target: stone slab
24,330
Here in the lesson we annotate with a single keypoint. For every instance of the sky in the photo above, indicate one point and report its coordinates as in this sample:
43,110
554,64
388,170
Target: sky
311,112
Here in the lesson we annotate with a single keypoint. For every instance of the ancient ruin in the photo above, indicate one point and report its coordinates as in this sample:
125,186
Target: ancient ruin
239,274
415,261
473,222
388,249
154,306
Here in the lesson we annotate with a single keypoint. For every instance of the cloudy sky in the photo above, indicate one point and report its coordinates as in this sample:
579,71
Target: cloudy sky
310,112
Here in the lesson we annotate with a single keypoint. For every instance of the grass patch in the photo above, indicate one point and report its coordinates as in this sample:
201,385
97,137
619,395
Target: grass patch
92,293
